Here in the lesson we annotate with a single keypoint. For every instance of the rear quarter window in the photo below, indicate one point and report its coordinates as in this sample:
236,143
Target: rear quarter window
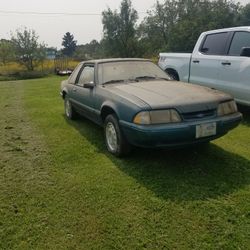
74,74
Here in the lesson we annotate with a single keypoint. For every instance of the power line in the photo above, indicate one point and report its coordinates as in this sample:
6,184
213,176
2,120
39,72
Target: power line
48,13
53,13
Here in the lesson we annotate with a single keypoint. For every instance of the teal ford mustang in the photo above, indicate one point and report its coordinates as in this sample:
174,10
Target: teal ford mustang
138,104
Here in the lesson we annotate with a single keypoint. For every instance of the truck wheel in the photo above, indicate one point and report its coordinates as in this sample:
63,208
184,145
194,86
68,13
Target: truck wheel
173,74
115,141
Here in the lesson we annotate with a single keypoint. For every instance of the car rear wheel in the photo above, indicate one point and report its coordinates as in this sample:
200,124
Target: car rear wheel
69,110
115,141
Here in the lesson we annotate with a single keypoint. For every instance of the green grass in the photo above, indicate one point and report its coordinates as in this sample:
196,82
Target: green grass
60,189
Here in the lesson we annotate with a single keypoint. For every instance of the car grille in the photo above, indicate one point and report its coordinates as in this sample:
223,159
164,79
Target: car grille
199,115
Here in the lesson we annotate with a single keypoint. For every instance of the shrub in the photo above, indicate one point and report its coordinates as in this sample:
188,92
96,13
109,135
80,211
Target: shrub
21,75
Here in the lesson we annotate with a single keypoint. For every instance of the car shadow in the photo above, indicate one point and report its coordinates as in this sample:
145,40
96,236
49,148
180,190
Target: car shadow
194,173
246,114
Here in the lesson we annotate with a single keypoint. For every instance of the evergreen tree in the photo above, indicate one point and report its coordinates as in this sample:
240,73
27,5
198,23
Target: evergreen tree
69,44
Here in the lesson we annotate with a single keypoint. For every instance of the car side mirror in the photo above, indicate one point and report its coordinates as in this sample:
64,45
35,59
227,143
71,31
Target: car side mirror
245,51
89,85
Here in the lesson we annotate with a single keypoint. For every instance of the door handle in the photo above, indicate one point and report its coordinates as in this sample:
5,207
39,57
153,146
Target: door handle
196,61
226,63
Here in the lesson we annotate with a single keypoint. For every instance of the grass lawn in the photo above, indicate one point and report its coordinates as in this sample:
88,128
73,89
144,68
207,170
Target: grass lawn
60,189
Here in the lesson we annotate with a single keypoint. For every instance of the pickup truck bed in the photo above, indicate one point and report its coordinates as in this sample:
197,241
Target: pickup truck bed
178,62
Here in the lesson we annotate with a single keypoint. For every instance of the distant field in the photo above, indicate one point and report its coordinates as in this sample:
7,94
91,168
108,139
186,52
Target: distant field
13,69
60,189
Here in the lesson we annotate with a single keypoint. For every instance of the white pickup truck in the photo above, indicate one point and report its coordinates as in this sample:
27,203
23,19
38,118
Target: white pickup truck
220,60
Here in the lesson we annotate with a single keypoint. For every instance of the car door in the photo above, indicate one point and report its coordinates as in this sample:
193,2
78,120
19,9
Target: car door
234,70
205,60
82,96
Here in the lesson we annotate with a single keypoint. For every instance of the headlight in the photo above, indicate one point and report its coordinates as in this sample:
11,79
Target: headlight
157,117
142,118
227,108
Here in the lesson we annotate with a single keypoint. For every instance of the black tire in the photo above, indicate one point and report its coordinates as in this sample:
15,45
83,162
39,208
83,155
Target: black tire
69,110
111,126
174,76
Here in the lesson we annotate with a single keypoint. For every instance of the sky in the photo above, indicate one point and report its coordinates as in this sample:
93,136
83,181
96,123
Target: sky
52,27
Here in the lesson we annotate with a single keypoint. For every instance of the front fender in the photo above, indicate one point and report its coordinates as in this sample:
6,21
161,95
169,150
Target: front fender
125,111
111,105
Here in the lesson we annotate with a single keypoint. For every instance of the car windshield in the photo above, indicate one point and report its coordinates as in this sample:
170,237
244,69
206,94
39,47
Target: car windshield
126,71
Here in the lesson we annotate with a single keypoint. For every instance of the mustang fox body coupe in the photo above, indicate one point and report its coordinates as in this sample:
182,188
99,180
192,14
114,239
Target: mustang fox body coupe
138,104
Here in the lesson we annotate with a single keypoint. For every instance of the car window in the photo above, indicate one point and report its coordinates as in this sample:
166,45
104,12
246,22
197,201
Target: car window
215,44
74,74
241,39
86,75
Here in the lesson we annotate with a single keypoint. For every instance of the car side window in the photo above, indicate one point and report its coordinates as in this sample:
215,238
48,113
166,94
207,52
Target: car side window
240,39
214,44
74,74
86,75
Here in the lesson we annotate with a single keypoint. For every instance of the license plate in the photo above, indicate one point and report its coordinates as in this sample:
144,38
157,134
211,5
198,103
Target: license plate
205,130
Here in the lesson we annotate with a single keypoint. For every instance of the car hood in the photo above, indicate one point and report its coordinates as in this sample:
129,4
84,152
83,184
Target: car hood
185,97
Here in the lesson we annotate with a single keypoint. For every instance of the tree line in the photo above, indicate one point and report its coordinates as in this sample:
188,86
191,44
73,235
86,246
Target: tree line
173,25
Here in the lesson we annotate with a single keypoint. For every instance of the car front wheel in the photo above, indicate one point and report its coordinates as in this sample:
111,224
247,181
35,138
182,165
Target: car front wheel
115,141
69,111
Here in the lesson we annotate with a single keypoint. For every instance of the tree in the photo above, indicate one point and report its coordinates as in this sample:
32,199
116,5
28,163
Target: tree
119,30
88,51
28,51
158,26
6,51
175,25
198,16
244,17
69,44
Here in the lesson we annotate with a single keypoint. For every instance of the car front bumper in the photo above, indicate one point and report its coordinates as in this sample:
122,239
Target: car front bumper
178,134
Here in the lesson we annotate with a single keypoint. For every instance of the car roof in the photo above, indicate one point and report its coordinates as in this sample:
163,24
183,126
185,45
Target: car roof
97,61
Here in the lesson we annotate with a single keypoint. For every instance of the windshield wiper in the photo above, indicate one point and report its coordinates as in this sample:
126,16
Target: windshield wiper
113,81
163,78
145,77
150,77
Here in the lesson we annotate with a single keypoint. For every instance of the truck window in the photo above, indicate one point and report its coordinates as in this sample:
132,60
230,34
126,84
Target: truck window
240,39
214,44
